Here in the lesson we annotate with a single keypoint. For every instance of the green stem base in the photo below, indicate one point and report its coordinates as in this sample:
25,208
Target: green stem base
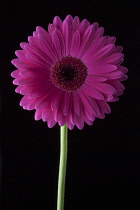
62,167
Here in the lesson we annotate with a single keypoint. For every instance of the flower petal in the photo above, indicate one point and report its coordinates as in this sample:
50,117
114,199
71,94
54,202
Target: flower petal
38,114
104,88
114,58
94,47
69,19
75,24
57,100
92,92
101,53
112,75
67,35
48,49
57,21
67,103
58,43
89,103
15,74
83,25
101,68
86,40
77,103
80,122
75,45
51,122
46,100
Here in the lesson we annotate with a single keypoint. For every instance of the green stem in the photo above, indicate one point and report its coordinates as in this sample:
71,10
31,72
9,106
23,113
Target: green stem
62,167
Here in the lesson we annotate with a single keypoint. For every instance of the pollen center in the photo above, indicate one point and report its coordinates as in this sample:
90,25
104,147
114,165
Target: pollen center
68,73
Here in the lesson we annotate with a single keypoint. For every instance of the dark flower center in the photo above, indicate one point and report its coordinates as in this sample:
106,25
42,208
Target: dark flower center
68,73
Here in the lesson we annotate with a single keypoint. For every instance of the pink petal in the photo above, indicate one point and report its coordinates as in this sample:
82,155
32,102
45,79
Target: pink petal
46,113
92,92
58,115
70,125
88,103
67,103
80,122
117,85
48,48
75,24
77,103
57,100
36,73
110,40
73,118
21,55
86,40
95,77
94,47
35,34
118,49
83,25
31,105
34,70
25,66
108,98
101,68
96,25
101,53
123,69
104,88
119,93
114,99
89,122
57,21
22,44
114,58
25,90
15,81
24,101
37,61
113,75
26,81
62,121
58,43
16,61
99,32
67,35
39,30
38,114
75,43
46,100
18,89
51,28
40,90
69,19
104,107
124,77
34,42
38,55
88,115
15,74
51,122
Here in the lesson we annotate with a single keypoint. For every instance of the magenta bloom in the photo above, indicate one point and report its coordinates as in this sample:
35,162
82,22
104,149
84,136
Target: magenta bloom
69,73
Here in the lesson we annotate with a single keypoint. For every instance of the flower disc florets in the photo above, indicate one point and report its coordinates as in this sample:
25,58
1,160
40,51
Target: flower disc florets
68,73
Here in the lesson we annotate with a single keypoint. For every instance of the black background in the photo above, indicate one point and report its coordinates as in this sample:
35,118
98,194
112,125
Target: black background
103,169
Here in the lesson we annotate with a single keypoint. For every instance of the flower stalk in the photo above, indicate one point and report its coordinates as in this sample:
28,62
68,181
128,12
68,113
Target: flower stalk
62,167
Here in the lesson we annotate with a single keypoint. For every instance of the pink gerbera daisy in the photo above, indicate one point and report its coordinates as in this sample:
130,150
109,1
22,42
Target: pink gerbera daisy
69,73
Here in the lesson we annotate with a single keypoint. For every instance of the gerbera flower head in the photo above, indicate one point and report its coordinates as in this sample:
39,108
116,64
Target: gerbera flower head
69,73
